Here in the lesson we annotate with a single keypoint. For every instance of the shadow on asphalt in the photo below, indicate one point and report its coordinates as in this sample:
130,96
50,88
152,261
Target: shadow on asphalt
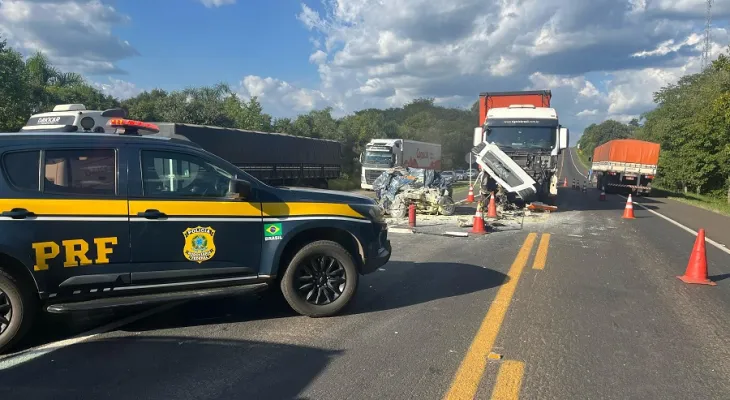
172,367
407,284
417,283
718,278
49,327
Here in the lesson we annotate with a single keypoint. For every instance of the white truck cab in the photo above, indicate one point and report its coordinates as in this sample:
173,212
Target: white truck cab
72,118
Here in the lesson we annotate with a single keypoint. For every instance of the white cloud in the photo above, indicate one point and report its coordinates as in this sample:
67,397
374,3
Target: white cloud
118,88
601,59
318,57
217,3
587,112
76,35
280,97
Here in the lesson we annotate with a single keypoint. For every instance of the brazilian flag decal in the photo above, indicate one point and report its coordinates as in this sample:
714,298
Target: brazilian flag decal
271,230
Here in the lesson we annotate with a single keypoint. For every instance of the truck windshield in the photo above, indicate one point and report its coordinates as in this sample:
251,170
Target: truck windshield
378,158
522,137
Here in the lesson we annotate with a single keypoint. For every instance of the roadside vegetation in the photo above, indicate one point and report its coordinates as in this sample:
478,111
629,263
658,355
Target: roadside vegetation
691,122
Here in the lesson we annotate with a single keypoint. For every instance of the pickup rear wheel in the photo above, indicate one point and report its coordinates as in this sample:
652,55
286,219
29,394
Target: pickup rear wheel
17,310
320,280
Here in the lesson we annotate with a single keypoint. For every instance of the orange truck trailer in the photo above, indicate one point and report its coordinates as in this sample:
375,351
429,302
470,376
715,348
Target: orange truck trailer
625,166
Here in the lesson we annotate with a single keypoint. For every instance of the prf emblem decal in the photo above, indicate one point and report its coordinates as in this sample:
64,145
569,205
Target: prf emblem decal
199,245
272,232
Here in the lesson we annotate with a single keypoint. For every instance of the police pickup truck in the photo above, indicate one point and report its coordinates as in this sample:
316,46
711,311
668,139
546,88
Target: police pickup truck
93,220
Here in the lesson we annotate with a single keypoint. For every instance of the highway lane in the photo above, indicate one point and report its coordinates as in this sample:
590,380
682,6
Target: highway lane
584,305
717,226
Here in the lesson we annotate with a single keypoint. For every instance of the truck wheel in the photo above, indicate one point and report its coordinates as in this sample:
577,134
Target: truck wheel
320,280
17,310
447,206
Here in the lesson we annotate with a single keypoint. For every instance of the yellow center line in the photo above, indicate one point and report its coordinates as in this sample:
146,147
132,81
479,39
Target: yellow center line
509,381
466,380
542,251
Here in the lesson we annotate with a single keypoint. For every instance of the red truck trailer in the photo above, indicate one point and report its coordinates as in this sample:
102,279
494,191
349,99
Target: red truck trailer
489,100
625,166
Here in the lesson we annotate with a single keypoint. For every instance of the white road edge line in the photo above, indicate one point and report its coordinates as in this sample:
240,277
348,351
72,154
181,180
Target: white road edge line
575,166
689,230
29,354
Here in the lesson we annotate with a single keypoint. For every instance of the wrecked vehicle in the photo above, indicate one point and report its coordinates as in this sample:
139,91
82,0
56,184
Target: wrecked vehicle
396,188
518,144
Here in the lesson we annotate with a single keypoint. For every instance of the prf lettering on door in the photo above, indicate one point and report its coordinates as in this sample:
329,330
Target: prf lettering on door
74,251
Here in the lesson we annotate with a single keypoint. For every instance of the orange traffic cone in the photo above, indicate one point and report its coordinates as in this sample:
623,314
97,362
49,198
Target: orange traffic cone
629,209
565,182
470,196
478,224
492,208
697,266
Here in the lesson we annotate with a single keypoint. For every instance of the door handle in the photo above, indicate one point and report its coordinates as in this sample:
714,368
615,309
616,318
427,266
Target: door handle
17,213
152,214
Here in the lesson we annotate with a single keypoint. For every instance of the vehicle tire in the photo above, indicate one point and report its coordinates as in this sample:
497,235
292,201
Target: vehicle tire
18,308
447,206
328,278
398,208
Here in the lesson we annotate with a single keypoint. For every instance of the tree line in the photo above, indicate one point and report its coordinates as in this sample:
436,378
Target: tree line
34,85
691,122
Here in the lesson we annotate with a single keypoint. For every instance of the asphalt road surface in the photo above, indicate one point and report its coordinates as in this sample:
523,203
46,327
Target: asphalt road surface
580,305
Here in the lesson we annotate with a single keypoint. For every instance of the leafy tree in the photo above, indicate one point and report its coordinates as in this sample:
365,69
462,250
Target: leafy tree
14,96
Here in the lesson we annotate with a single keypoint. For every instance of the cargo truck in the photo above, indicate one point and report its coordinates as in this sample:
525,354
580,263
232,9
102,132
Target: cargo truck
274,158
524,128
383,154
625,166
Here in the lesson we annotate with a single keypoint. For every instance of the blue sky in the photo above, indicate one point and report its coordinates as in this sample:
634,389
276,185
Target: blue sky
601,58
255,37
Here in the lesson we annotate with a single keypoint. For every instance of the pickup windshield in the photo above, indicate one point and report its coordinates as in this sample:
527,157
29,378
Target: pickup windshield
378,158
523,137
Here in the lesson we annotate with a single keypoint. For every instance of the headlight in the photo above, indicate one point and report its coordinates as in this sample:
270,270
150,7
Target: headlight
377,213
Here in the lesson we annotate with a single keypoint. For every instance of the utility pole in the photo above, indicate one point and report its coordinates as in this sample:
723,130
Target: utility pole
707,41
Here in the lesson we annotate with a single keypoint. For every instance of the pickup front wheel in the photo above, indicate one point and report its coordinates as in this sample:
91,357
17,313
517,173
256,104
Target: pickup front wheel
320,280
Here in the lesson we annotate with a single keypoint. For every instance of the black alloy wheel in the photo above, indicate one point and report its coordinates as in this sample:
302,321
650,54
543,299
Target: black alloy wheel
320,279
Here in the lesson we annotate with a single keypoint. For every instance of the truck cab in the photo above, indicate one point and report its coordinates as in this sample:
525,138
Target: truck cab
528,134
379,155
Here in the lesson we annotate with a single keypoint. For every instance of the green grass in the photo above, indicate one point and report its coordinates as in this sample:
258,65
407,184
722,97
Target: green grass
718,205
344,184
583,158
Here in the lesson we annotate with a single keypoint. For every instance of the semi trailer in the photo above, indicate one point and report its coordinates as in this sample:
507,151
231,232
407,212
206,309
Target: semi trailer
274,158
625,166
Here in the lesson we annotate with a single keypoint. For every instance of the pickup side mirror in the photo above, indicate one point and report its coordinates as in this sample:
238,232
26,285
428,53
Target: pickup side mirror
239,189
563,136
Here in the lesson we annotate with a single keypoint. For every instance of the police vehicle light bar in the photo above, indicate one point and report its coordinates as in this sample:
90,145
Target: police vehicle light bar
131,127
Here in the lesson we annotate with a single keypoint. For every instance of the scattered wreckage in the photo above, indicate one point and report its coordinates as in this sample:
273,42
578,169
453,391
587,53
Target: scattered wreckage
511,185
397,188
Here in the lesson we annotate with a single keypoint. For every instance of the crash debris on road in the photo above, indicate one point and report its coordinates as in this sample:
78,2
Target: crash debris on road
397,188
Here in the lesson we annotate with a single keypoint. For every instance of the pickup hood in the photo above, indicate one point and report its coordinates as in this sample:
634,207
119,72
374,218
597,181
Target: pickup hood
319,196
